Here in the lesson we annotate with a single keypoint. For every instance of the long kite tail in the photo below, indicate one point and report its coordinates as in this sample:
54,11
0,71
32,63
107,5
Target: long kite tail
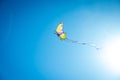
83,43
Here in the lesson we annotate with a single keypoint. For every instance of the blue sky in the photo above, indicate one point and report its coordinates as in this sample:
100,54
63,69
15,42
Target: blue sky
31,51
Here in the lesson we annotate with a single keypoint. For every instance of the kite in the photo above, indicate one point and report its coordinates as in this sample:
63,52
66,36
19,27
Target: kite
60,33
63,36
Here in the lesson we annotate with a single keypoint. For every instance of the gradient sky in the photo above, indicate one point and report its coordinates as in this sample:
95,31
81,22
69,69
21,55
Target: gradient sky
29,49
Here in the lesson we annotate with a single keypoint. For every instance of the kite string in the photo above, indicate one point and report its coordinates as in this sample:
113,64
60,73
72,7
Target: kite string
83,43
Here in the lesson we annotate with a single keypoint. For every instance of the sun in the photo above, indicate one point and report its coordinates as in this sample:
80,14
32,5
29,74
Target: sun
110,55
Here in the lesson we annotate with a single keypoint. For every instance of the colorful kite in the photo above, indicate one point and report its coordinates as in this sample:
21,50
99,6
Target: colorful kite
62,35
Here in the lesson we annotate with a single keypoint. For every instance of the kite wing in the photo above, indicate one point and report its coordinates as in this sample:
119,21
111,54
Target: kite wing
59,28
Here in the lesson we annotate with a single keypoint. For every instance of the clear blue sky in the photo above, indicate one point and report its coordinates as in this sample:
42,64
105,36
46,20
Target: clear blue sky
29,49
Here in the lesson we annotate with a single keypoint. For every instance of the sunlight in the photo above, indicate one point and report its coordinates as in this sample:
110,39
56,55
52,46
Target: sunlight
111,55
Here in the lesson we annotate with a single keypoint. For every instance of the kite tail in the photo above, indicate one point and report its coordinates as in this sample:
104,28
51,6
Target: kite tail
83,43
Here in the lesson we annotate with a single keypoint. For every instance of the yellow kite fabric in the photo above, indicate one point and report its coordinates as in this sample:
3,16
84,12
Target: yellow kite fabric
60,32
59,28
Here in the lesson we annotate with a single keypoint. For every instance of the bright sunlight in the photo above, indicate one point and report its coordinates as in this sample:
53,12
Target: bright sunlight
111,55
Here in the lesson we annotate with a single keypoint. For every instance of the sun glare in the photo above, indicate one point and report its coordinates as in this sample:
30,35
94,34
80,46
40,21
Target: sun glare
111,55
